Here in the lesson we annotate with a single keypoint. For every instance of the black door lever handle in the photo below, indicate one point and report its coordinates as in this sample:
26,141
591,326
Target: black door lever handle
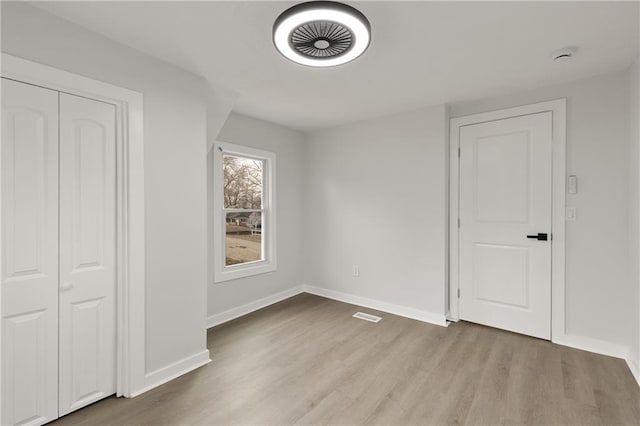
540,237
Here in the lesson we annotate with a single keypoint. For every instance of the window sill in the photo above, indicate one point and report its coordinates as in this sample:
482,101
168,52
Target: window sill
234,273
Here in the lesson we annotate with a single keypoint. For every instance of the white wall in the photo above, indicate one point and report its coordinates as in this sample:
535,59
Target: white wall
599,291
290,169
175,167
376,198
634,210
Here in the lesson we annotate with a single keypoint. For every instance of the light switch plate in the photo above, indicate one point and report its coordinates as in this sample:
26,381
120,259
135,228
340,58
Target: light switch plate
571,214
572,184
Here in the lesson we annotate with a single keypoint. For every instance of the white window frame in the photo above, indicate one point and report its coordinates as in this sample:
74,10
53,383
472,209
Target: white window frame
221,271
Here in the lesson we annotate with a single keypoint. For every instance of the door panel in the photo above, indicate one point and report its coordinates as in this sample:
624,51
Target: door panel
500,274
502,187
29,253
505,195
87,251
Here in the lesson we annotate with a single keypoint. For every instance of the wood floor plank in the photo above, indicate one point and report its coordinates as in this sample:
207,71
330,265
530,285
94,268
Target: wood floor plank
306,361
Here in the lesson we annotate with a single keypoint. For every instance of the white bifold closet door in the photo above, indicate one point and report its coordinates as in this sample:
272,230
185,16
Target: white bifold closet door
29,254
58,253
87,251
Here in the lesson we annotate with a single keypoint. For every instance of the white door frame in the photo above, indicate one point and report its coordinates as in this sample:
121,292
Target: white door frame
558,108
130,223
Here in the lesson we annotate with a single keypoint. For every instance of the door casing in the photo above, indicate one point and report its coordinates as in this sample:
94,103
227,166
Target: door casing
130,223
558,109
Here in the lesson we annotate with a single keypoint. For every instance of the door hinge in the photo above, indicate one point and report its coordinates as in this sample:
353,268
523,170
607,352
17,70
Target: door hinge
458,152
458,223
458,293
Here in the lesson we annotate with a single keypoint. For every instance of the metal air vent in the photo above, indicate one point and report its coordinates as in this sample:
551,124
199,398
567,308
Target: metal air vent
367,317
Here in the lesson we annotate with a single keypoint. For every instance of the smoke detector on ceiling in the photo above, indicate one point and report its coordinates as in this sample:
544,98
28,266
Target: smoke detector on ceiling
321,33
564,54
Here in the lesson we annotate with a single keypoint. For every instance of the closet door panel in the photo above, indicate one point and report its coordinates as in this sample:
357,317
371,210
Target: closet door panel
29,254
87,251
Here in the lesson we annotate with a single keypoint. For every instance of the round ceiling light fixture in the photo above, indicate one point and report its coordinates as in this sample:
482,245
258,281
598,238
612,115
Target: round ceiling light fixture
321,33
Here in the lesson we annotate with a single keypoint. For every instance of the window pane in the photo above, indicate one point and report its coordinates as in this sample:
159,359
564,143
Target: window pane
243,238
242,182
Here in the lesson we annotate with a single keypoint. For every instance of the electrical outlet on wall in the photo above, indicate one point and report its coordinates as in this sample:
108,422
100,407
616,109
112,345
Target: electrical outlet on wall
571,214
356,271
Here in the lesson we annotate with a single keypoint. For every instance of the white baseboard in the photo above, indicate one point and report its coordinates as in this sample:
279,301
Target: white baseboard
635,370
173,371
403,311
589,344
234,313
601,347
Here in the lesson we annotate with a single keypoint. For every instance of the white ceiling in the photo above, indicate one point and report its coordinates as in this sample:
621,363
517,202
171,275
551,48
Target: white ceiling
421,53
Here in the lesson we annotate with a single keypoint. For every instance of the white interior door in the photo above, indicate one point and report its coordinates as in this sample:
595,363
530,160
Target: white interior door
87,251
505,202
29,254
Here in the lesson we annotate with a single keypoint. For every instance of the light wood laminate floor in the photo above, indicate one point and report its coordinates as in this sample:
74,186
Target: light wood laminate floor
307,361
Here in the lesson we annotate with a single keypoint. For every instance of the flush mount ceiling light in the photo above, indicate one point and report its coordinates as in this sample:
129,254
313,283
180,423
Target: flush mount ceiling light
321,33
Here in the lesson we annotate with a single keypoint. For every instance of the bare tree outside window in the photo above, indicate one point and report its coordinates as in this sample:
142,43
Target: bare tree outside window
243,195
242,182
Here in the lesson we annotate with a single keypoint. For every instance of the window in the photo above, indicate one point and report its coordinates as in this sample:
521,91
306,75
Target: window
244,211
